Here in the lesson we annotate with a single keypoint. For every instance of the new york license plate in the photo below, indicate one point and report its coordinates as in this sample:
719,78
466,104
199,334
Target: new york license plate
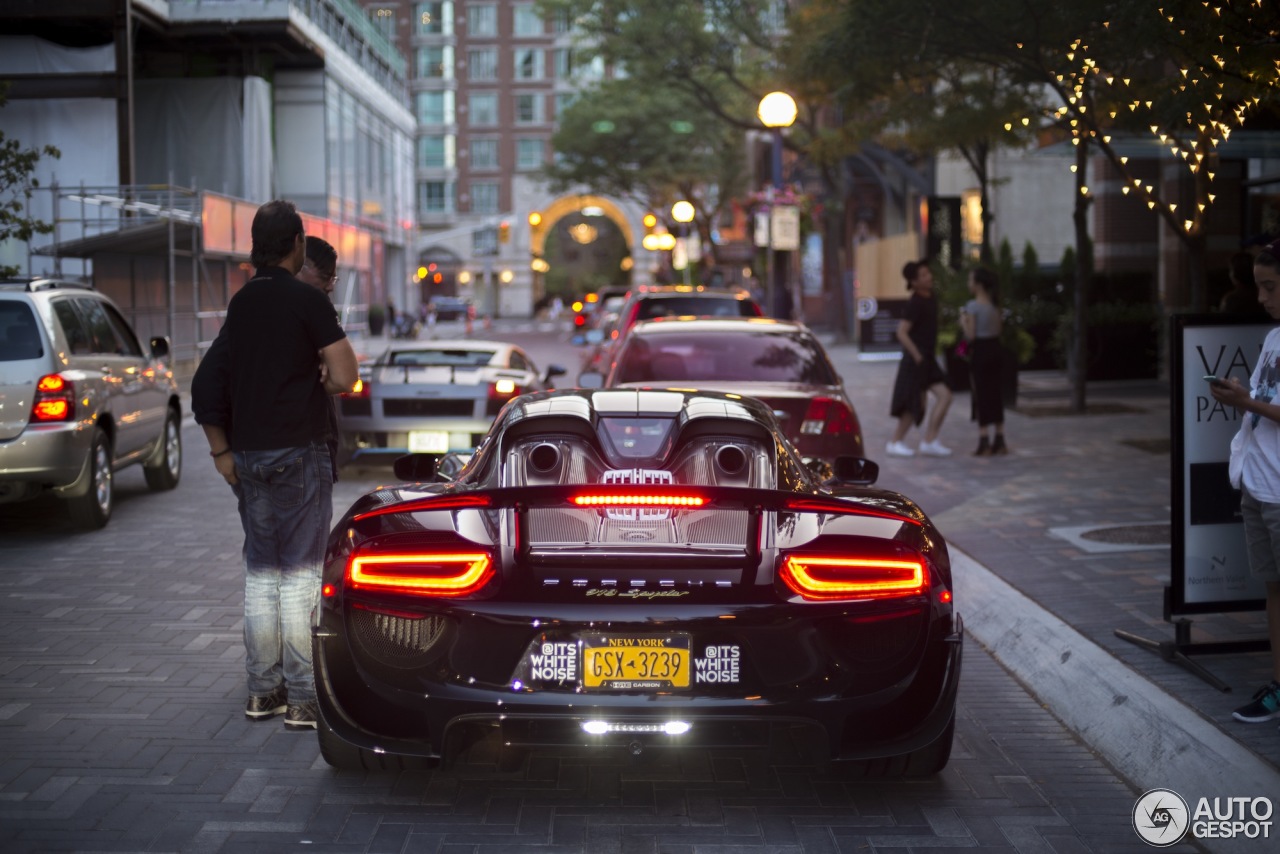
630,662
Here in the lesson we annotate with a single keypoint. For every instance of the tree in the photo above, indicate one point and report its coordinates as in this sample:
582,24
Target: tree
17,165
626,139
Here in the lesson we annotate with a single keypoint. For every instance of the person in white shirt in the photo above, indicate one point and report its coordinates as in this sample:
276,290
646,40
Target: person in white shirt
1255,471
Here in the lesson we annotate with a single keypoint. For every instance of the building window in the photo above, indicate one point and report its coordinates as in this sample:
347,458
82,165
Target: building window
529,153
527,20
484,154
383,19
437,151
435,19
434,108
529,109
435,197
482,20
483,109
528,65
482,63
561,22
562,60
484,198
435,62
563,102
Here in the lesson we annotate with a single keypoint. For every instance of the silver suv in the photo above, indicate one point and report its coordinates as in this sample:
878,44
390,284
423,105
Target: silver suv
80,399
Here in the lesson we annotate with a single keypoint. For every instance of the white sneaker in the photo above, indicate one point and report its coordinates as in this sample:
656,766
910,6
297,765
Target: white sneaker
934,449
898,449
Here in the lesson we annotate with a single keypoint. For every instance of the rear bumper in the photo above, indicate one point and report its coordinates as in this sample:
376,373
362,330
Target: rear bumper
48,456
832,726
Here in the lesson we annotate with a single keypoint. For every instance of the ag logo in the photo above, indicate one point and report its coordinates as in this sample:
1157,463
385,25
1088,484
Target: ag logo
1161,817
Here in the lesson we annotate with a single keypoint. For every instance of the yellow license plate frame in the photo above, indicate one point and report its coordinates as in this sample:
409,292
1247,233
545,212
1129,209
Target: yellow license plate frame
636,662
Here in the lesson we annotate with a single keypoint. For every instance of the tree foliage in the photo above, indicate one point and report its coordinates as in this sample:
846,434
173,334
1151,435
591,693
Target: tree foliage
17,168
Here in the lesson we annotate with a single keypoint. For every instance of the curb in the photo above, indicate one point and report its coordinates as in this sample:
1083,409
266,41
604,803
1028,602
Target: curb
1148,735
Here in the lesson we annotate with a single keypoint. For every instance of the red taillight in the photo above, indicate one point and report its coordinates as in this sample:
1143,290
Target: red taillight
360,389
499,393
828,415
819,578
658,499
579,320
55,399
420,574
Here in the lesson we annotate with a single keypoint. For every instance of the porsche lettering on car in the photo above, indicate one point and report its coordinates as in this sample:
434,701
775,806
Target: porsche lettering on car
633,568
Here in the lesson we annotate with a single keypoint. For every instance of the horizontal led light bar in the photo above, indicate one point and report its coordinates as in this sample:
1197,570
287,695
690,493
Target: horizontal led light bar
651,500
816,577
425,574
666,728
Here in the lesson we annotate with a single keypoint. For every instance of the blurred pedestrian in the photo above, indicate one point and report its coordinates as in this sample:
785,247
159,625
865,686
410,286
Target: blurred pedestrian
1255,471
276,458
981,323
919,373
320,270
1243,296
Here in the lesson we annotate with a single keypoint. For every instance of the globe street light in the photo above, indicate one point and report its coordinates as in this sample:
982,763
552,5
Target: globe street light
777,111
682,212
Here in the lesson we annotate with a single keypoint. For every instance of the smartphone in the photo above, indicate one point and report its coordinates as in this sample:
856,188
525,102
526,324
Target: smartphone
1213,380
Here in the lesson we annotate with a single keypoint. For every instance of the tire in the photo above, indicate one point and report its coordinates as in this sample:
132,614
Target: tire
92,510
347,757
166,473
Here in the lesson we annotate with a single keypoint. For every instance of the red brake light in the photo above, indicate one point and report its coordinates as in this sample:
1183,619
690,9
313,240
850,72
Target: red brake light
817,577
651,500
360,389
828,415
55,399
420,574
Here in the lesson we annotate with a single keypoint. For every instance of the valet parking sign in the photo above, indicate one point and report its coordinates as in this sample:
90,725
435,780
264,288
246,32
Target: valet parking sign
1210,572
1162,817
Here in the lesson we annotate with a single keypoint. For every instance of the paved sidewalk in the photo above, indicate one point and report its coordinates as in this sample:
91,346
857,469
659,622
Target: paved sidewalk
1020,516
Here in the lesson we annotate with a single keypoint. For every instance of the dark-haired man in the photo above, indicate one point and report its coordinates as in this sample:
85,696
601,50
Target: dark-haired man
275,454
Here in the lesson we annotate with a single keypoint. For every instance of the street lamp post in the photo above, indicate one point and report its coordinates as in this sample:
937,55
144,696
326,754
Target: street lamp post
777,111
682,212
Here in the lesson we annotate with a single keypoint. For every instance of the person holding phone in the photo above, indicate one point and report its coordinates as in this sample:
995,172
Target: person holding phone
1255,471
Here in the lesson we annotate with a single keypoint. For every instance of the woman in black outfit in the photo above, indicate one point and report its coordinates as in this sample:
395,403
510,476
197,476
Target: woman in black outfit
981,322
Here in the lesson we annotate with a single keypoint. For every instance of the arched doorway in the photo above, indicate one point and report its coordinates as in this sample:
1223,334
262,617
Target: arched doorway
585,243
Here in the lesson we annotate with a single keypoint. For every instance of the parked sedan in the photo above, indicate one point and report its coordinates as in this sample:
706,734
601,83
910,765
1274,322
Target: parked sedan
635,570
80,399
436,397
779,362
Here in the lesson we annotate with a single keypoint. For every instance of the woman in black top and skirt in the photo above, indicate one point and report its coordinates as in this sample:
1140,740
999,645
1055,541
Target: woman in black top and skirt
981,322
919,374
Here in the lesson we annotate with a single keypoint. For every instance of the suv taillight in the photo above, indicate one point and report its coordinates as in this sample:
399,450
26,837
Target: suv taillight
55,399
828,415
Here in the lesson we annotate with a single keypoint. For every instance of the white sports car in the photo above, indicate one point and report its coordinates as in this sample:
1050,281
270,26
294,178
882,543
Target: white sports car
434,398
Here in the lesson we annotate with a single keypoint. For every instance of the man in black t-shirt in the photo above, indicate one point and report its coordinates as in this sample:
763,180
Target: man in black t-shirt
275,455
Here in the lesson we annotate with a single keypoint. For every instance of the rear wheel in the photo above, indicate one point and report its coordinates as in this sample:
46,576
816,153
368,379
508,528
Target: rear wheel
92,510
167,467
347,757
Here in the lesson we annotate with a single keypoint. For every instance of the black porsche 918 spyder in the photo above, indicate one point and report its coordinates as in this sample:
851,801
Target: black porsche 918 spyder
637,569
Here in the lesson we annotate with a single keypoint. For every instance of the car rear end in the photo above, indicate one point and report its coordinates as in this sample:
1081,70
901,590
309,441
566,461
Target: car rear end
591,604
422,409
43,434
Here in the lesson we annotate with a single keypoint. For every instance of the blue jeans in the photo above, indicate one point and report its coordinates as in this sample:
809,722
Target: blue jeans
286,507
